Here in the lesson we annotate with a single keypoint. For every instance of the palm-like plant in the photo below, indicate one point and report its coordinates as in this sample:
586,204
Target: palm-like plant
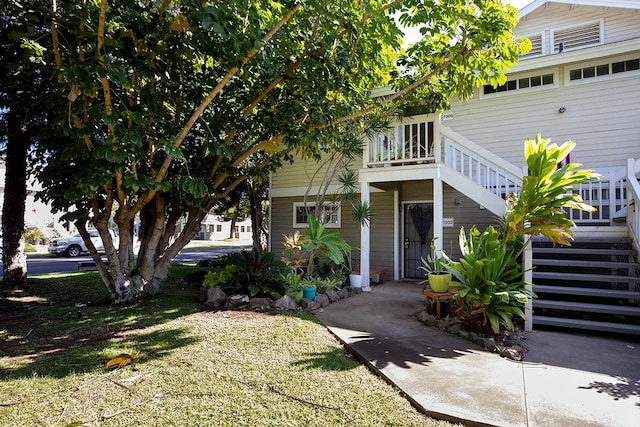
546,193
316,239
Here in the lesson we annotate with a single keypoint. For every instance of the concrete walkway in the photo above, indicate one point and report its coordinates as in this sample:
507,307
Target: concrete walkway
566,379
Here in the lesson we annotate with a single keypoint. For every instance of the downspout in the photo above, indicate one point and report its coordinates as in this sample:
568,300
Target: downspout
397,211
365,239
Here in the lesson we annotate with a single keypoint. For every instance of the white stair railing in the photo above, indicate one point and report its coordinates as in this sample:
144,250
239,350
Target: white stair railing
480,165
608,195
633,197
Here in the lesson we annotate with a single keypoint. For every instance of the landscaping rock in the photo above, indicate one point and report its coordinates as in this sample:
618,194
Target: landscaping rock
286,303
454,329
427,318
333,296
511,353
464,334
309,305
343,293
237,300
443,324
261,303
322,299
489,344
216,298
477,339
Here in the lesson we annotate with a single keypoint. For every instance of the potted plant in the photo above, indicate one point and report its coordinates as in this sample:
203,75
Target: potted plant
309,287
434,266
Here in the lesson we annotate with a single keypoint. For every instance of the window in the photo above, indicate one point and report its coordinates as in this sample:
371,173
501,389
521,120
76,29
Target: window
625,67
329,215
578,36
242,228
537,46
516,85
218,227
248,229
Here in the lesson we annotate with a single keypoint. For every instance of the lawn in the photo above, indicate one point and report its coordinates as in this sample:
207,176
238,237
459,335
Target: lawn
184,365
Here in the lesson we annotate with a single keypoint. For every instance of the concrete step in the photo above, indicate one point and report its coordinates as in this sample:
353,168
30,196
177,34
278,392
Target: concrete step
624,310
584,263
589,292
591,325
583,277
581,251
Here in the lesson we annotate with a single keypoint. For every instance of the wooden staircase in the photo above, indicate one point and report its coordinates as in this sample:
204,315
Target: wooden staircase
592,285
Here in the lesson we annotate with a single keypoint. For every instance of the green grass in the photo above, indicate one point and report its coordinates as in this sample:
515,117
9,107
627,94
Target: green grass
192,367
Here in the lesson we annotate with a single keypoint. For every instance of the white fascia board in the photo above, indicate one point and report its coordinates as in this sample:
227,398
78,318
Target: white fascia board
579,55
623,4
301,191
398,173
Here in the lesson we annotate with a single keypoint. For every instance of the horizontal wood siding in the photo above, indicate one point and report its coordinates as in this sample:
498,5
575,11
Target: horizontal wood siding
619,24
381,248
301,171
466,214
601,117
381,234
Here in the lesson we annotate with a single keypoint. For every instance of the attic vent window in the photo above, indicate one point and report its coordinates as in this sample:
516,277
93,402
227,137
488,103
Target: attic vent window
577,37
537,46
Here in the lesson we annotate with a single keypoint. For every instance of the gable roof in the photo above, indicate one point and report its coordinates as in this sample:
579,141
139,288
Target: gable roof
624,4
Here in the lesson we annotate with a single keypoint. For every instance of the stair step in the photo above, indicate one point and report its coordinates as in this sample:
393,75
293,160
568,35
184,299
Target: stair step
625,310
621,328
589,292
583,263
581,251
581,277
589,239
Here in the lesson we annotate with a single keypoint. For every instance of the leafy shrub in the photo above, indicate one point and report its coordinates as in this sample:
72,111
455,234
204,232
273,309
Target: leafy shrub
490,285
34,236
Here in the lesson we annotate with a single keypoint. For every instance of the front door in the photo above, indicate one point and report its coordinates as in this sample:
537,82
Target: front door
418,232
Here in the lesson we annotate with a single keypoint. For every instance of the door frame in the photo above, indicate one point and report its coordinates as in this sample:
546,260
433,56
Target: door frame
402,223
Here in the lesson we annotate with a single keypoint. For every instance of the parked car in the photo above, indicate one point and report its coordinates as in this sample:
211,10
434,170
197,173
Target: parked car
73,246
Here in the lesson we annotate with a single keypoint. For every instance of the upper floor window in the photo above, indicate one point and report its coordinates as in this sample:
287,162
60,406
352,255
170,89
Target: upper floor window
589,72
329,214
577,36
522,83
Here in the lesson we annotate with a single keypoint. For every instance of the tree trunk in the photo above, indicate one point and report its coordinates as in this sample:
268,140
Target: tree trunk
258,233
14,258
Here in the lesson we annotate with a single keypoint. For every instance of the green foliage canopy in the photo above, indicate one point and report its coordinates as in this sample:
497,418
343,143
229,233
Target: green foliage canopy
173,104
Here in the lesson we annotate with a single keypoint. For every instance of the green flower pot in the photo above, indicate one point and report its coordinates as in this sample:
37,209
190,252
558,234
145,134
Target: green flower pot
439,282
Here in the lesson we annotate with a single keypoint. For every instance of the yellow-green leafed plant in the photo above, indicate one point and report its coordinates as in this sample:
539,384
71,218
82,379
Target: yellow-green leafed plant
546,193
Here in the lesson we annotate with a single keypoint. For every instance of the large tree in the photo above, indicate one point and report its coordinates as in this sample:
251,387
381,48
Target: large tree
25,100
174,104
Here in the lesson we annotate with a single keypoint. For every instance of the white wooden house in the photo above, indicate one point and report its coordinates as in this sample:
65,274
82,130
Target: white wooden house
429,175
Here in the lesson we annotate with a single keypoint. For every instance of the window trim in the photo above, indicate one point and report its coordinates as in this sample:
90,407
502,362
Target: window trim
338,213
596,63
552,38
523,91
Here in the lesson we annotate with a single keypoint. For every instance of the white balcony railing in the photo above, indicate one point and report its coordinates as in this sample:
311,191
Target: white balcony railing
414,143
404,144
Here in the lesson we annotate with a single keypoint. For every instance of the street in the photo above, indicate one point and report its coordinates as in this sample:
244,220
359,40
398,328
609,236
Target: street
45,263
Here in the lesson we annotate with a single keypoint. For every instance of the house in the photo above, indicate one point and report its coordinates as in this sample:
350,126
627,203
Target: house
214,227
429,175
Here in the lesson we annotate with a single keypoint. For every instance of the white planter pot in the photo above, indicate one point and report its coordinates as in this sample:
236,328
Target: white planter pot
355,280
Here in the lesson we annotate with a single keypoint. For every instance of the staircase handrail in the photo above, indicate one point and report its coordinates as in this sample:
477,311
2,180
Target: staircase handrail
479,158
633,198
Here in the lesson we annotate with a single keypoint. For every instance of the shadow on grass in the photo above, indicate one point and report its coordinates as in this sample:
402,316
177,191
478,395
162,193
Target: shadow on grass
332,360
59,324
